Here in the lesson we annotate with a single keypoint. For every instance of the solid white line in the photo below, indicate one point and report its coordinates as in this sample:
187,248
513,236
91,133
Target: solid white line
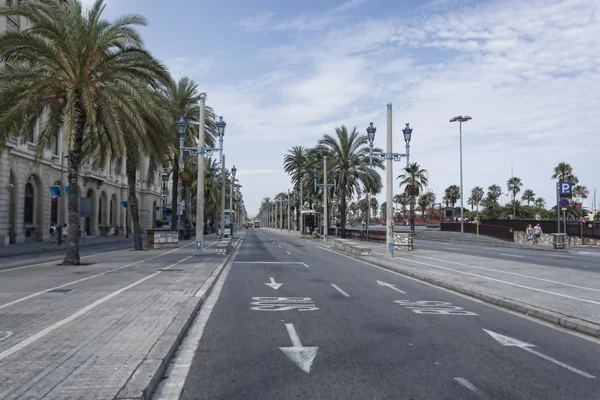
31,296
76,315
270,262
178,370
501,281
510,255
289,254
545,357
472,388
340,290
508,273
452,248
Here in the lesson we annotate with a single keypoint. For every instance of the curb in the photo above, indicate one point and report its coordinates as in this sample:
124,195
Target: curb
154,368
542,314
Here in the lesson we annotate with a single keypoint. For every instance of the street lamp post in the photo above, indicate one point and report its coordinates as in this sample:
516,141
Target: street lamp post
298,198
233,172
390,157
460,119
288,211
325,186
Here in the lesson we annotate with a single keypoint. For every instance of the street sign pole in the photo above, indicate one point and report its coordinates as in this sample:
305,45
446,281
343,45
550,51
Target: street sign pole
557,207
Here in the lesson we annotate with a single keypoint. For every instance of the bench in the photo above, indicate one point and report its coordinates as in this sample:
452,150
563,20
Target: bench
223,247
349,247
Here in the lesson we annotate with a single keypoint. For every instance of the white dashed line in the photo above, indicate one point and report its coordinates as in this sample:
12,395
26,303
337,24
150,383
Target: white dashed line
289,254
340,290
510,255
465,383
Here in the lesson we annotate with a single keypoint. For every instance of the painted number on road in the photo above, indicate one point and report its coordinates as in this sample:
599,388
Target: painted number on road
282,304
433,307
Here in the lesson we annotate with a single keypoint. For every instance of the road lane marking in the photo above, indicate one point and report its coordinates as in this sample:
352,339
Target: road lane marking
512,342
300,355
10,351
31,296
272,284
279,246
453,248
506,282
289,254
472,388
336,287
508,273
178,370
393,287
433,307
510,255
283,304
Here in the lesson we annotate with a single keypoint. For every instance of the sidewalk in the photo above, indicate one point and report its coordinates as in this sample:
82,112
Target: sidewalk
21,249
106,330
566,297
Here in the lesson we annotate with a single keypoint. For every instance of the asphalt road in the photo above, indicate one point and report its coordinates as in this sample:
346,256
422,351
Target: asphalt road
338,328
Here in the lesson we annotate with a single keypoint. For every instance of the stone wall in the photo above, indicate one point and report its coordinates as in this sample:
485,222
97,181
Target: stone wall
547,240
402,241
158,239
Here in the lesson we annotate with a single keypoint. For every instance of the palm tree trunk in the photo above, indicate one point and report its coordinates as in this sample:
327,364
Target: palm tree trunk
343,210
175,194
74,160
133,206
187,212
412,216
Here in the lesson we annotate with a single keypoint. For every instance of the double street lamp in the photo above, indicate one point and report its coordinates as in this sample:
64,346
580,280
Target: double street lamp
460,119
325,186
389,156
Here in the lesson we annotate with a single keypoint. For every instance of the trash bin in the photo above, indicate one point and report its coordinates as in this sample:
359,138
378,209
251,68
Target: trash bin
559,240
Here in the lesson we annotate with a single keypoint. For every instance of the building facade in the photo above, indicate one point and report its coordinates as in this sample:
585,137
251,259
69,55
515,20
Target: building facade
27,205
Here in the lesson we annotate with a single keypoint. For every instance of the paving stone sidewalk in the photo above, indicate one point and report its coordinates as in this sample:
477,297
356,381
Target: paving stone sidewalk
565,297
110,329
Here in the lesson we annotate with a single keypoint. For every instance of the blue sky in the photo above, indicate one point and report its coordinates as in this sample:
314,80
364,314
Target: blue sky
283,73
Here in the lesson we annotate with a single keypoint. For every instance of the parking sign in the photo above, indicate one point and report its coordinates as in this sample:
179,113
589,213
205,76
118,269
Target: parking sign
566,189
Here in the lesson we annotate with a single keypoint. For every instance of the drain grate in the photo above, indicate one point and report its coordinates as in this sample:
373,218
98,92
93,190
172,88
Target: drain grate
60,291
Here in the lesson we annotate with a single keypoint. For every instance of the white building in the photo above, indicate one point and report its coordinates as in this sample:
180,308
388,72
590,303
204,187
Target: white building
26,205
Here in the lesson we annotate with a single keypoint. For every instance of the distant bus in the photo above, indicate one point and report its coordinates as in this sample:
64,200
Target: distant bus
257,224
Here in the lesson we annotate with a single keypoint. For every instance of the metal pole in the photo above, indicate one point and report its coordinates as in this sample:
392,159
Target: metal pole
462,210
558,208
325,219
231,205
61,202
368,214
223,191
200,189
565,220
288,211
301,216
389,252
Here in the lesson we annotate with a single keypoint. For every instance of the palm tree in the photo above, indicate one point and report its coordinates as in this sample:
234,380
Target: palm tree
452,194
514,186
43,78
528,196
423,202
477,195
413,180
540,202
581,191
563,172
374,207
183,98
348,153
296,163
403,200
491,200
471,202
383,210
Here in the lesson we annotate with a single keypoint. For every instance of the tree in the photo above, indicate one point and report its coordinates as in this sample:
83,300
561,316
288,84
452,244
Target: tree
296,163
528,196
413,180
581,192
424,203
374,207
540,202
43,79
563,172
348,153
477,196
403,199
514,186
452,194
383,210
491,201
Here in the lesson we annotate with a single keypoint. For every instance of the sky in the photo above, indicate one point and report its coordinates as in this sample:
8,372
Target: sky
283,73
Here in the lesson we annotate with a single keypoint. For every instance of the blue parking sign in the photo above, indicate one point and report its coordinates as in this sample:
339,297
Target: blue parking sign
565,189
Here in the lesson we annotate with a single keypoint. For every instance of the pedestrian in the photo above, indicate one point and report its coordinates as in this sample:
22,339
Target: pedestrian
52,233
65,233
537,231
529,233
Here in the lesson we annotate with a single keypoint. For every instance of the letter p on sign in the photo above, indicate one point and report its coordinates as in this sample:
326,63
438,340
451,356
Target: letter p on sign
566,189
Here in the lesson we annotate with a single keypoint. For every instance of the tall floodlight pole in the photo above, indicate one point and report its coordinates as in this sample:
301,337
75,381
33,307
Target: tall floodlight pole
223,194
200,189
325,186
460,119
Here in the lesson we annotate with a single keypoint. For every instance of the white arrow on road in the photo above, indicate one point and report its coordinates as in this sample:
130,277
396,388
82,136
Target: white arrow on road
390,286
300,355
273,284
508,341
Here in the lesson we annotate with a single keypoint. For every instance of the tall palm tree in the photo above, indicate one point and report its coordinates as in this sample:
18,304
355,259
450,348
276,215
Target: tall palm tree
383,210
413,180
183,97
563,172
44,79
296,163
374,207
349,153
477,194
491,200
471,202
540,202
403,200
581,191
528,196
424,201
514,186
452,194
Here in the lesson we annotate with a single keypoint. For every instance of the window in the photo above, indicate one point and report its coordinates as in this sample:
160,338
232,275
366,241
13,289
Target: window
100,211
31,137
111,166
55,147
29,200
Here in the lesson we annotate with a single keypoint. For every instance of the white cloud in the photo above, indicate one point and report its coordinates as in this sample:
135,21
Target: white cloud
525,71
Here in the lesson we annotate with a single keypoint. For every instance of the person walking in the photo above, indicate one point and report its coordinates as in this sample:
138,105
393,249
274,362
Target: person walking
52,233
529,233
537,231
65,233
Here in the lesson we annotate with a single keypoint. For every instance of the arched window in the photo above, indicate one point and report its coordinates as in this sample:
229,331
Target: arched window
29,200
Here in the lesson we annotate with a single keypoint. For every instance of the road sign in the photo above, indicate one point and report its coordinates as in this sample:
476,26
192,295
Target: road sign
564,203
565,189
